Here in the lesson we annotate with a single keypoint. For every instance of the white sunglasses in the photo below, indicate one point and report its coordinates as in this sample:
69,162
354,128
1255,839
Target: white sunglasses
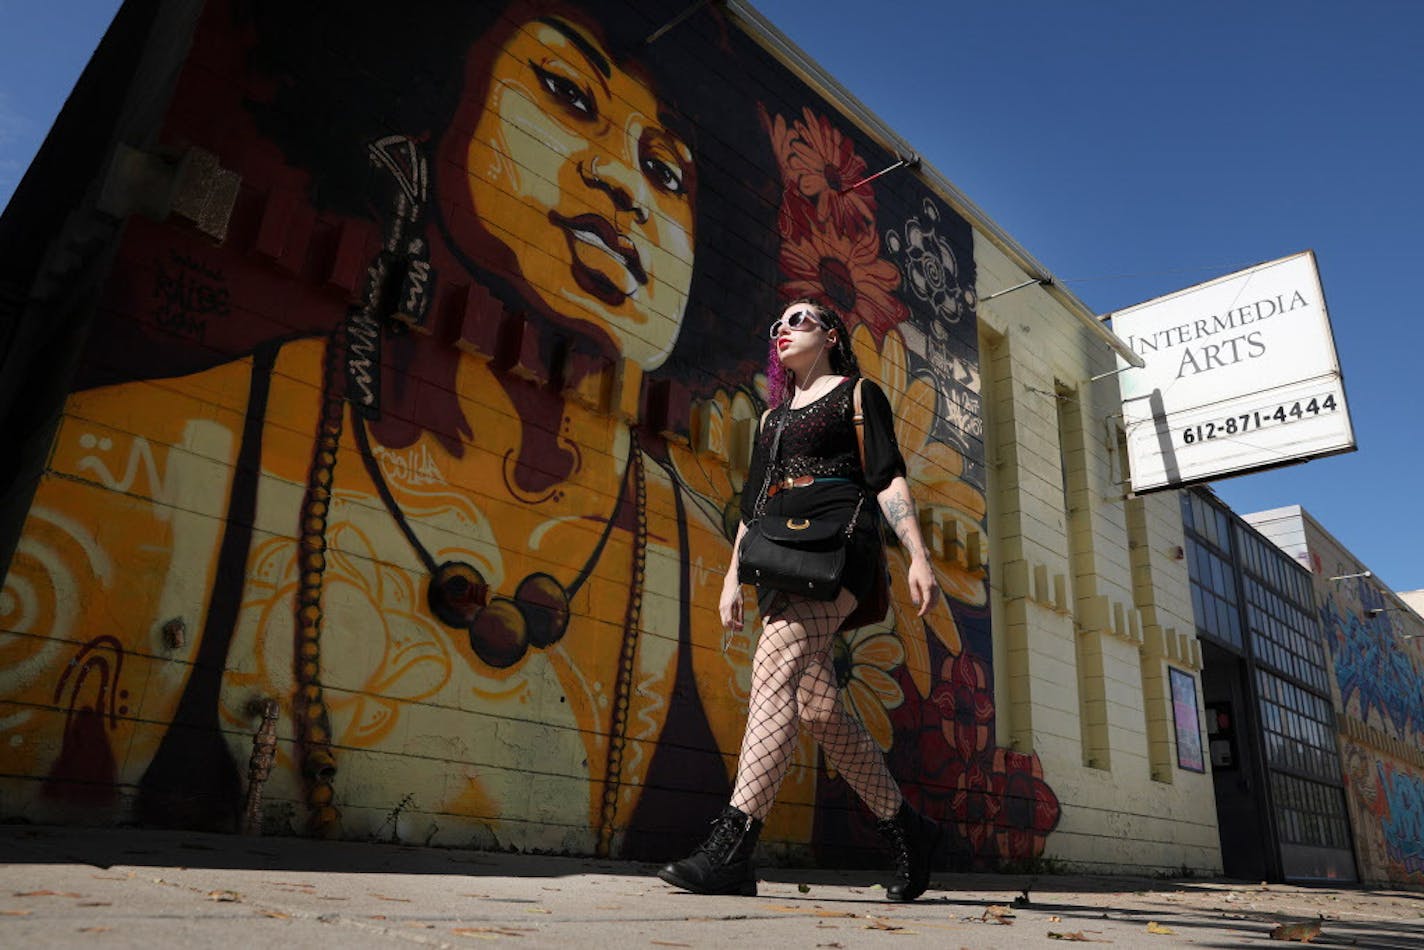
800,320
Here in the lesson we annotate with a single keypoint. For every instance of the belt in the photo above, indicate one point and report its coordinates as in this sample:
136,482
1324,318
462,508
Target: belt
800,481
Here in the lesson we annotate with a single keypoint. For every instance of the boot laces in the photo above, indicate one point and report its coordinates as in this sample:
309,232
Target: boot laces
899,844
726,832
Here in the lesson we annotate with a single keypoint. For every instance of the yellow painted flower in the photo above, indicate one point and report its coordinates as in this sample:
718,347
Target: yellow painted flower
933,470
713,467
863,660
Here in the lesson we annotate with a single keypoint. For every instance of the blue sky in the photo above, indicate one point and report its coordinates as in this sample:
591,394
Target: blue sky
1133,148
1178,142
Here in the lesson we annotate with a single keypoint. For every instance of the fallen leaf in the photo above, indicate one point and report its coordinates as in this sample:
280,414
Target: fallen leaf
94,930
1303,932
880,923
277,914
48,894
1055,919
377,917
382,897
95,904
537,910
490,933
999,914
804,888
831,946
1155,928
224,896
15,913
665,943
1077,936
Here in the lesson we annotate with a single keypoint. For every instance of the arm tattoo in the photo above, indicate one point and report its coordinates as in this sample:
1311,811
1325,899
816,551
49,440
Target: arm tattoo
900,512
896,510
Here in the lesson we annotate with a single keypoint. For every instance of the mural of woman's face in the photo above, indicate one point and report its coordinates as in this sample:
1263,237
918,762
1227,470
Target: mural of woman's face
571,168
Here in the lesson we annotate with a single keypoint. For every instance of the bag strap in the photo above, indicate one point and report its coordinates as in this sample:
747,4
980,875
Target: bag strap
859,420
770,465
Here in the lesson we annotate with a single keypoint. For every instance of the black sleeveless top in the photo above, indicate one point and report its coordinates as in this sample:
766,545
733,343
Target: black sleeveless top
819,440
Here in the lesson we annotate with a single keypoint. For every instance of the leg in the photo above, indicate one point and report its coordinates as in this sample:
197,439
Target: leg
788,645
848,747
852,752
723,863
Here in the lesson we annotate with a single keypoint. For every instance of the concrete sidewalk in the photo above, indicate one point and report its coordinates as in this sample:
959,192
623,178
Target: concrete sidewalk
92,888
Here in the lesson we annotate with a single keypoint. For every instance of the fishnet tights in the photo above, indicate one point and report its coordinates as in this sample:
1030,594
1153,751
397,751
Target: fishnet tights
792,677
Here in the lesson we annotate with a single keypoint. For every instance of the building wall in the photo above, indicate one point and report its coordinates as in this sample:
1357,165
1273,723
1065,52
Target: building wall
433,445
1377,666
1093,605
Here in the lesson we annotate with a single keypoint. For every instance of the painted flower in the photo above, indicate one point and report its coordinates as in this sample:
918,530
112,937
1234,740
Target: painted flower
713,485
818,163
863,661
796,218
964,697
931,266
847,273
974,807
1029,810
404,656
933,469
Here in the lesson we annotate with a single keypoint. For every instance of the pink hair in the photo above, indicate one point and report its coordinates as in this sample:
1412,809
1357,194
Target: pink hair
778,380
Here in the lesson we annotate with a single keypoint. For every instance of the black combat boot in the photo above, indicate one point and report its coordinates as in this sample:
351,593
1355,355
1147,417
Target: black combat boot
723,863
913,839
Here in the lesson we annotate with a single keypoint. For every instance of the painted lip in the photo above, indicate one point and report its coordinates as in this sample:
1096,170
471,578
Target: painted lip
598,232
782,342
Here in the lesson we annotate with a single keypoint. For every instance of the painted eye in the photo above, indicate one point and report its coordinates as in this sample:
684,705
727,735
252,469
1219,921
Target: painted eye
569,93
665,176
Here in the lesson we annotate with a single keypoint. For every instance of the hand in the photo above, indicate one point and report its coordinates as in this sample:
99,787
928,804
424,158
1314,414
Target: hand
923,589
730,605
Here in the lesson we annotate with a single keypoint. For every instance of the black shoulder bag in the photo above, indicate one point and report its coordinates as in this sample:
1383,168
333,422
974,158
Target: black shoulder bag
803,556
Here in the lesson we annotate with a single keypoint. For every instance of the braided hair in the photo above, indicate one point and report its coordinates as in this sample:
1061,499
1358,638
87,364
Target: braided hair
780,381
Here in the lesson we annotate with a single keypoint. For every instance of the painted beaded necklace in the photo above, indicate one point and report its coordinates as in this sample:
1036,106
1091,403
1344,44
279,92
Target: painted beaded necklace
500,630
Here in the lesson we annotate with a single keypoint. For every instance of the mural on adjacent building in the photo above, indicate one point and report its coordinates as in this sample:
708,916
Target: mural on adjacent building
1379,676
440,449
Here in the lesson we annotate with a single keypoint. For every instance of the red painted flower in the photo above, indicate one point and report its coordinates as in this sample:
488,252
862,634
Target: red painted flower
965,698
796,219
1029,808
848,274
819,164
974,807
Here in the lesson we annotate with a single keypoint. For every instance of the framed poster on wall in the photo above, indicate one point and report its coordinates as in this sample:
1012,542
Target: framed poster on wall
1188,723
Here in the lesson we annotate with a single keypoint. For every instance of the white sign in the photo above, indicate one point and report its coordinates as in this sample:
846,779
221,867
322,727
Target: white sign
1241,375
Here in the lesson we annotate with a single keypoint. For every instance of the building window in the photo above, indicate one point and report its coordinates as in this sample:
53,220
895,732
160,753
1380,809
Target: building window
1209,566
1309,813
1280,613
1299,728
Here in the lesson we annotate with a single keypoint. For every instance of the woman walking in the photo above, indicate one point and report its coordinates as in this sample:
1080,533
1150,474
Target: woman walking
816,471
